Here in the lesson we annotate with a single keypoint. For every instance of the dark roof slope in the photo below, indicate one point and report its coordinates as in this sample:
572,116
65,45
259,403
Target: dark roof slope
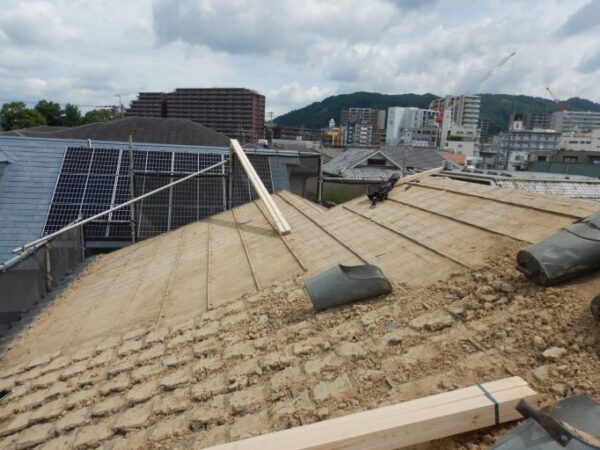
143,129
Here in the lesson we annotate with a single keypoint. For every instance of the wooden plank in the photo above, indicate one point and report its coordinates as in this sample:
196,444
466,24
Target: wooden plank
282,225
404,424
418,176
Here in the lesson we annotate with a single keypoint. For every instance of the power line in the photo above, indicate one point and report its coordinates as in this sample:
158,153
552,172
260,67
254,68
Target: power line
31,102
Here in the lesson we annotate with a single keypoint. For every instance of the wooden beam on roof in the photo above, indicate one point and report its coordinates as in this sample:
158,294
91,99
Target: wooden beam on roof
404,424
279,220
418,176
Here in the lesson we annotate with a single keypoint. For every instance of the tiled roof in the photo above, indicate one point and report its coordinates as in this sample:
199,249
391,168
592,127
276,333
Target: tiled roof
346,164
454,157
569,186
142,129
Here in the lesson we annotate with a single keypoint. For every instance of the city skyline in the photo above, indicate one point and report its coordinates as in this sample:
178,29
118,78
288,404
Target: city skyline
86,52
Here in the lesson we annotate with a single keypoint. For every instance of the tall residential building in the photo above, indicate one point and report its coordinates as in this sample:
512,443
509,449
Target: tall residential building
464,109
363,126
575,121
236,112
400,120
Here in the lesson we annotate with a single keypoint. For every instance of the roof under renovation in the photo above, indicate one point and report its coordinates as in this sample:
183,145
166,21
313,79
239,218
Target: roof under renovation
569,186
205,334
30,168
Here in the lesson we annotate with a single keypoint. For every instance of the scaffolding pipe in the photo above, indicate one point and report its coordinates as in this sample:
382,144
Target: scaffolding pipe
115,208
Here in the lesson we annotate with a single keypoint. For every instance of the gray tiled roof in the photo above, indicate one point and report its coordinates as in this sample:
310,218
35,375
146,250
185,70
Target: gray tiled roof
347,160
416,157
568,189
345,164
569,186
143,129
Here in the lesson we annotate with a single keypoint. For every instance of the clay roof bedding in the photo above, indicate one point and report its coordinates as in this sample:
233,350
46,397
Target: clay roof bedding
205,334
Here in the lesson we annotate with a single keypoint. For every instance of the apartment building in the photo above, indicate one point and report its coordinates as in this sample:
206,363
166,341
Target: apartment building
401,120
363,126
236,112
575,121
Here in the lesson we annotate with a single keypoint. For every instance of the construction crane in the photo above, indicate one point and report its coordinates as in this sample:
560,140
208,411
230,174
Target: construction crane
439,110
560,107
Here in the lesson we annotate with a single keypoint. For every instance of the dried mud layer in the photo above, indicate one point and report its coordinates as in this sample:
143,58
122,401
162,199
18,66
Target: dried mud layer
268,362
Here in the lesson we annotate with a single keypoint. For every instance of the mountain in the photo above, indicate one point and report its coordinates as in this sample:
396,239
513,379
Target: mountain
494,107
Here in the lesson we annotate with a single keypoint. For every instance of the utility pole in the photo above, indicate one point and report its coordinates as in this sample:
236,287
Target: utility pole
121,109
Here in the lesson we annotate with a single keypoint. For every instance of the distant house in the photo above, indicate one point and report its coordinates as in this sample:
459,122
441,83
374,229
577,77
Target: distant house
347,174
142,129
360,165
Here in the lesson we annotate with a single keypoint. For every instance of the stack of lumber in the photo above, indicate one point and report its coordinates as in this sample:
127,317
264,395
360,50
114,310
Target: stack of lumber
404,424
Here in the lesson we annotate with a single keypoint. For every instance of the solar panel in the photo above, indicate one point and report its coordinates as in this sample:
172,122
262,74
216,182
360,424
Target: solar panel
93,180
243,191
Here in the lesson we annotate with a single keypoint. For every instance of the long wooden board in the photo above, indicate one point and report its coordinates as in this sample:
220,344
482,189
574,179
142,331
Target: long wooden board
418,176
280,223
404,424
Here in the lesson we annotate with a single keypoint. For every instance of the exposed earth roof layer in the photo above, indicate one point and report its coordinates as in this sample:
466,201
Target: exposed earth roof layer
205,334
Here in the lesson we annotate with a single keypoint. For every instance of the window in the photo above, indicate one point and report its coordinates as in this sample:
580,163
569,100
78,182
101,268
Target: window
376,162
570,159
541,158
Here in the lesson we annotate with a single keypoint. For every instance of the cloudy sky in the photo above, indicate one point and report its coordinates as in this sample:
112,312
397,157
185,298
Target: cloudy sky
296,51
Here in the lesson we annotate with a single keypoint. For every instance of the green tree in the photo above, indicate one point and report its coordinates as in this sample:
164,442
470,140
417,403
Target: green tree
16,115
71,116
98,115
50,110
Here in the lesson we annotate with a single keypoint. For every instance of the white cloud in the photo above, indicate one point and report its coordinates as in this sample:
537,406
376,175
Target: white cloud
86,51
34,23
292,96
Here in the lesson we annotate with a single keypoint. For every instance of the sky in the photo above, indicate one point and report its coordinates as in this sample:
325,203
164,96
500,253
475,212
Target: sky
296,52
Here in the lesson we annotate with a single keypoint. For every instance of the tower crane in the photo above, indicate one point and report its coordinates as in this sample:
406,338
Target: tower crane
489,74
560,107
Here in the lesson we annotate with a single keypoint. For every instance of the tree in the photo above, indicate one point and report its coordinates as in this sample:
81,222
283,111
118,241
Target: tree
16,115
50,110
71,116
98,115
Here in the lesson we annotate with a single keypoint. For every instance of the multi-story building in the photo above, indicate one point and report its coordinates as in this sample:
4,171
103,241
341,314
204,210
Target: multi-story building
236,112
483,125
575,121
581,142
541,120
400,120
527,145
363,126
464,109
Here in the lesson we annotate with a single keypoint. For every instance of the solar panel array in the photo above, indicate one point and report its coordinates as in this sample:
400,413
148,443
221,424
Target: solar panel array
94,180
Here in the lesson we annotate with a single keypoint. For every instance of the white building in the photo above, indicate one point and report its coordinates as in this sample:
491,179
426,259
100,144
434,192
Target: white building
401,119
464,109
575,121
581,142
